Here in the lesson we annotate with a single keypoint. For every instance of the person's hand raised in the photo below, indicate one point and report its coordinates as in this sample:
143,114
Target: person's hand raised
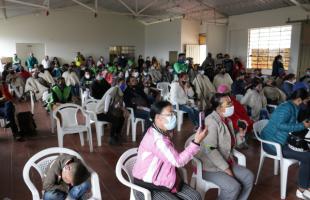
200,135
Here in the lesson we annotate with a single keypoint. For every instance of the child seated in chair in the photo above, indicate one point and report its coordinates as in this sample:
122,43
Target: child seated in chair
66,177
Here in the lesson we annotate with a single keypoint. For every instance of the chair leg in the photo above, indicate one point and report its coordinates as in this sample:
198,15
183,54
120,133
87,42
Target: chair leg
128,125
90,139
261,162
81,138
142,126
60,139
284,171
276,167
201,189
98,133
193,181
179,121
134,132
52,123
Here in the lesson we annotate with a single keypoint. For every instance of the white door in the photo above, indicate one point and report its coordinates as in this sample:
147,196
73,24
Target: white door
24,49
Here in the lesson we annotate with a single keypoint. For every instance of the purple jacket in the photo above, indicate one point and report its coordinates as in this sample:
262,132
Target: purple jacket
157,159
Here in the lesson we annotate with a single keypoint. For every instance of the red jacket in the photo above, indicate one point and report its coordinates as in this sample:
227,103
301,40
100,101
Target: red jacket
24,74
240,113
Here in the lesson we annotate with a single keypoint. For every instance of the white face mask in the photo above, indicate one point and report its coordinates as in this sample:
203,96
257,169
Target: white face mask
170,70
308,73
87,76
171,122
135,74
201,72
229,111
144,73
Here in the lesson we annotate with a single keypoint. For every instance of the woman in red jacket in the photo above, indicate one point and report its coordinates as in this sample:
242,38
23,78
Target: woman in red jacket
240,114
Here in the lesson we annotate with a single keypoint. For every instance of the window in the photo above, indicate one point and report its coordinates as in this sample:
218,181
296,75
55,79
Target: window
127,51
266,43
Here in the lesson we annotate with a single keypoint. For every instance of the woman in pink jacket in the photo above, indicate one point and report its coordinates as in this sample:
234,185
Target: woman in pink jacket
158,160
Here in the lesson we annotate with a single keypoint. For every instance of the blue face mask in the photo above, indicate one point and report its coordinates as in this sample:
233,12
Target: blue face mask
122,87
171,122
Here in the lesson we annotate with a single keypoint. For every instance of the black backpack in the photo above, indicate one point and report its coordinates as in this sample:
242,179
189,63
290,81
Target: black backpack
27,125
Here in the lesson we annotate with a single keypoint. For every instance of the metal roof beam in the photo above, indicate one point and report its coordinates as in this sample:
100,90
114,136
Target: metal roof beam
28,4
86,6
296,3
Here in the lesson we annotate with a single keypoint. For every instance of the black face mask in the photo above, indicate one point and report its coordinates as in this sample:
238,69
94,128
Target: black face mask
223,72
184,82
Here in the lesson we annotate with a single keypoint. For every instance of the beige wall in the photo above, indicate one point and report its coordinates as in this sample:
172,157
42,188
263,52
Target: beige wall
68,31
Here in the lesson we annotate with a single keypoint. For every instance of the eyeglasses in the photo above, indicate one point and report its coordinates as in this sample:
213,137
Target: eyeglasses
170,114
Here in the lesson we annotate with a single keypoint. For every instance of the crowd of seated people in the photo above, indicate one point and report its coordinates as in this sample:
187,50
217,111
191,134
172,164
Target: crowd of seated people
212,88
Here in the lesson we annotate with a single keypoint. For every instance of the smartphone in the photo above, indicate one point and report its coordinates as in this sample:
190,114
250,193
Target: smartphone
202,120
242,124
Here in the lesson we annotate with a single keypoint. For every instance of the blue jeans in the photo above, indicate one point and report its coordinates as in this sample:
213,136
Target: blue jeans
192,113
75,192
75,90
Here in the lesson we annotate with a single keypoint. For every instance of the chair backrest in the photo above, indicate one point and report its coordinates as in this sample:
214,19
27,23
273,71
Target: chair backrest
90,105
125,163
163,87
259,126
68,113
40,161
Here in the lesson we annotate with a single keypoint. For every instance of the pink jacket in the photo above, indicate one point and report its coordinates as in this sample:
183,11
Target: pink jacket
157,159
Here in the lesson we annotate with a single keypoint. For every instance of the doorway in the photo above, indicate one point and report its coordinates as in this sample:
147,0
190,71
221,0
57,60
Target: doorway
24,49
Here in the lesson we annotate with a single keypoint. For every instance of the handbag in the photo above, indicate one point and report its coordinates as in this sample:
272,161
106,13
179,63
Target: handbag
299,141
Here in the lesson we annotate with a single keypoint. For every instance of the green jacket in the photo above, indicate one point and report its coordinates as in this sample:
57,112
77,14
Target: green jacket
59,96
180,67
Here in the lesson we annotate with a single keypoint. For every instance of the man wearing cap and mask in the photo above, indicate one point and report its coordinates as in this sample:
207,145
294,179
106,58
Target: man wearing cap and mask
66,177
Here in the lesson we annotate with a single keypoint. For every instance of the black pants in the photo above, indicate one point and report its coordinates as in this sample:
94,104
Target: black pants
116,121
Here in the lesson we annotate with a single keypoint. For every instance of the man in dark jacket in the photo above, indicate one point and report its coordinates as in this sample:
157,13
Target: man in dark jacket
277,66
135,98
65,176
99,87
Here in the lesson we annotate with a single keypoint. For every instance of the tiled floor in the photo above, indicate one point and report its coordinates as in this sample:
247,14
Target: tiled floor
14,155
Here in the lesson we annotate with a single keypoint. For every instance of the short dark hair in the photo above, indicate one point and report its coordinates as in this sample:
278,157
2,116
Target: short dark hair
79,172
216,100
300,93
255,82
182,74
157,108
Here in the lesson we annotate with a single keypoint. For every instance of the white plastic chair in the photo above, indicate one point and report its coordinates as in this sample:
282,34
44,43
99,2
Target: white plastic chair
125,163
32,100
133,121
42,159
284,162
180,114
163,87
197,181
68,123
90,107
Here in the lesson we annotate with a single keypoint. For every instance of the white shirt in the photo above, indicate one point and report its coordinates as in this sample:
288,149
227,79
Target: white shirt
46,63
178,95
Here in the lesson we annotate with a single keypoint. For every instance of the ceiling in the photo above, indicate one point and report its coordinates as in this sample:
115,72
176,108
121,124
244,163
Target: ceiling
152,11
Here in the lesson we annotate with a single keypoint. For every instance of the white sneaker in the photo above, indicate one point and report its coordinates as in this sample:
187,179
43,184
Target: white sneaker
303,195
